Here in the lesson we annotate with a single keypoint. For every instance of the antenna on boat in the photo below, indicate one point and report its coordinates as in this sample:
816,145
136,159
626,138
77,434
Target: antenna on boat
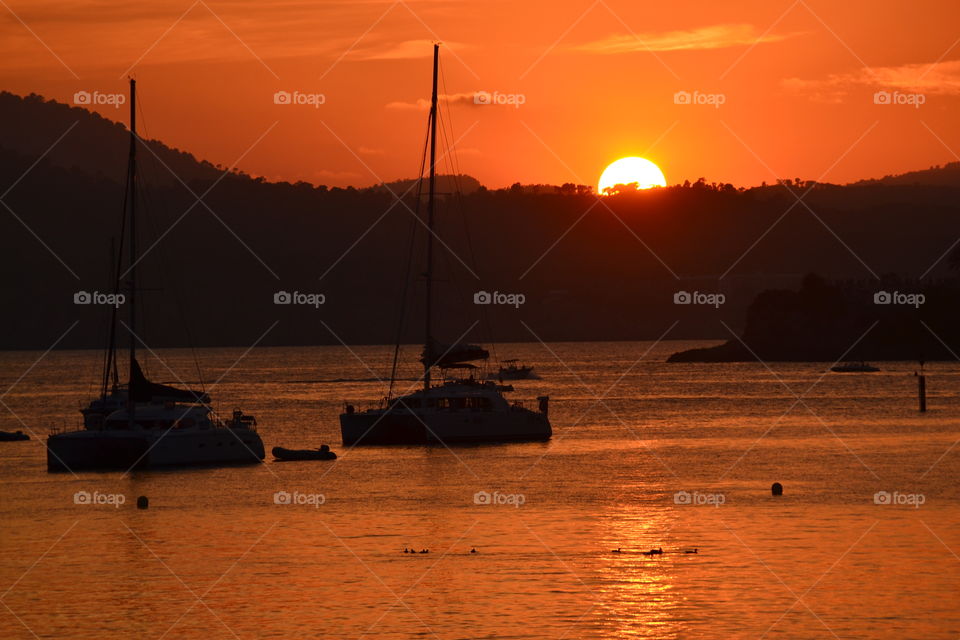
132,177
428,337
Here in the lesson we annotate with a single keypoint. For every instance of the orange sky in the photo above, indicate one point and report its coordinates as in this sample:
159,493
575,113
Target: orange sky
597,79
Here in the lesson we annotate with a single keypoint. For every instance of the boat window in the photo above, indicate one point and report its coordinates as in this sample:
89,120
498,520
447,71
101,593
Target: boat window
478,403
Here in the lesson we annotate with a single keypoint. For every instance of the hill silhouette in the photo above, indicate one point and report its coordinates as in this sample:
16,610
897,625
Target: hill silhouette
588,270
893,319
97,146
947,175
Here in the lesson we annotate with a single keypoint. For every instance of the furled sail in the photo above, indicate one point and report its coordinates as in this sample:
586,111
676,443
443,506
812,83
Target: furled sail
142,390
445,355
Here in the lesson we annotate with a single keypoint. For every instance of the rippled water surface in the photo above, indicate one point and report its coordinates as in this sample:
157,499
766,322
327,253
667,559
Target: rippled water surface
644,455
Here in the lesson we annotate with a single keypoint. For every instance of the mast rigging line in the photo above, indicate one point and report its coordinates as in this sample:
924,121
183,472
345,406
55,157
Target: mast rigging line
435,114
414,224
454,161
177,292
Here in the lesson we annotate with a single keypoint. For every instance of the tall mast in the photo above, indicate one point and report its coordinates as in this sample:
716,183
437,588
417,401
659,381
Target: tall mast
132,177
428,337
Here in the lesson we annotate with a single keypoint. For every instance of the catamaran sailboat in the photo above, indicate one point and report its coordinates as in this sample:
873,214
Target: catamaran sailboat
143,423
458,409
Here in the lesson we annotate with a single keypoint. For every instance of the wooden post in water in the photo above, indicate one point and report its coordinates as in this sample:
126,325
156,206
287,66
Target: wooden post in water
922,389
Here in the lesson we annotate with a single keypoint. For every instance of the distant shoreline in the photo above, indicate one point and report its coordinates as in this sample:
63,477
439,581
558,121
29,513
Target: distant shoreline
894,320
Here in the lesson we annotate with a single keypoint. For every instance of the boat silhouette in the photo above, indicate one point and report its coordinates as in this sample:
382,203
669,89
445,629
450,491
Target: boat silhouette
143,423
458,409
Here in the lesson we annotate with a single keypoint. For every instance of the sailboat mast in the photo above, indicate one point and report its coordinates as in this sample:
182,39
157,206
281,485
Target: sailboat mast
132,177
428,329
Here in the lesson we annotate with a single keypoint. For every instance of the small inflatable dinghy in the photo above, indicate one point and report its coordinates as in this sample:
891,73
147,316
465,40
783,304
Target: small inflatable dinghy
10,436
323,453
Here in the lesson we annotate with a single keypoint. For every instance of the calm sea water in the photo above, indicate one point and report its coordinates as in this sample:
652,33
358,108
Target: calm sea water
644,455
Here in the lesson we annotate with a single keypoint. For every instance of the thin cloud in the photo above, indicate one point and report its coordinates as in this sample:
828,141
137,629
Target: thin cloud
938,78
720,36
423,104
404,50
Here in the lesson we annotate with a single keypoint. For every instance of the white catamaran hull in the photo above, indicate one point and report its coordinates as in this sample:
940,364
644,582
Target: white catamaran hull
119,449
404,427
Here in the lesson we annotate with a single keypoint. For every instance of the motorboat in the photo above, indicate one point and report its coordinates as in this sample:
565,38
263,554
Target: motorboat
515,371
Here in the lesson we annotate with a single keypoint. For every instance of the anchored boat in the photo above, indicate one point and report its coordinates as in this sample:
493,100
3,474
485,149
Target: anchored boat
142,423
458,409
854,367
515,371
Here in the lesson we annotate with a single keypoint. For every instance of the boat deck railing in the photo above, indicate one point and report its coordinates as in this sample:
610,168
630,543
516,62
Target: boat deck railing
63,428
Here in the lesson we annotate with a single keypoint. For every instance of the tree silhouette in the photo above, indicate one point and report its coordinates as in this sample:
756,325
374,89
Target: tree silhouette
622,189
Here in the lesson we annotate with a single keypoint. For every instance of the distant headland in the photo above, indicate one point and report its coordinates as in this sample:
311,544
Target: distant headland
890,319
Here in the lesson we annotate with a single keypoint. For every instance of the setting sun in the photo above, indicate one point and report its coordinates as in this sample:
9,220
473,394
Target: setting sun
631,170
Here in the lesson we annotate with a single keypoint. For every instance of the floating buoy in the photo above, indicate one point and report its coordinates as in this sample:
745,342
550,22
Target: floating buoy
473,550
143,502
776,489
